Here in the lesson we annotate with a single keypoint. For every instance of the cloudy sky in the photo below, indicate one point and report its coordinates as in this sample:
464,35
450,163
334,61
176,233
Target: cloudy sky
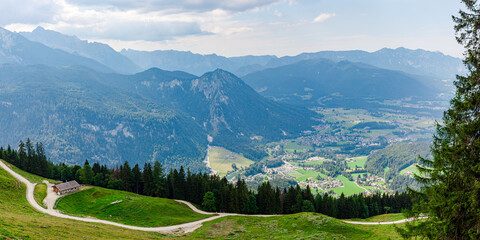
243,27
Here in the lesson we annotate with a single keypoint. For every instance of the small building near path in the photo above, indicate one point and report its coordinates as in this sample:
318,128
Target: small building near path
66,187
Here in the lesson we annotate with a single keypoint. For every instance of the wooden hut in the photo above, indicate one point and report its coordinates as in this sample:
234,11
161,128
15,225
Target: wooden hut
67,187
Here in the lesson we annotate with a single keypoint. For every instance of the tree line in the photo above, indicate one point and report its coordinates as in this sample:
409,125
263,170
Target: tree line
211,192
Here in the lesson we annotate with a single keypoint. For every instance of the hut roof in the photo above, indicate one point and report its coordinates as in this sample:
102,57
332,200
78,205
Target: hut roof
67,185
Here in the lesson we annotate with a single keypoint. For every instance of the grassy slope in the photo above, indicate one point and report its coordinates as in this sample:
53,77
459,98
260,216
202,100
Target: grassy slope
391,217
296,226
133,209
40,193
30,177
219,160
20,221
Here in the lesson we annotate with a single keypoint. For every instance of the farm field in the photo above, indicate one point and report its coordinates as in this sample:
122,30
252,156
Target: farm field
349,187
358,162
127,208
221,160
292,146
412,169
307,174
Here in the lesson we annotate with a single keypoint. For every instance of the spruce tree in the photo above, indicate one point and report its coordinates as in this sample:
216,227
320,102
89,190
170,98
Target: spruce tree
450,197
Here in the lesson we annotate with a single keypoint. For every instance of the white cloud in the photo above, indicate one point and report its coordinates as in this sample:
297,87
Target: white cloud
323,17
192,5
27,12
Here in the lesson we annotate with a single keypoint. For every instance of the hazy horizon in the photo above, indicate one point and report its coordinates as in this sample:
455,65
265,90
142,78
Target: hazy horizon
239,28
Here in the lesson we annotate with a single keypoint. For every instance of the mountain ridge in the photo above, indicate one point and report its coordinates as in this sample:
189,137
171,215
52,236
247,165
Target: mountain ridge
16,49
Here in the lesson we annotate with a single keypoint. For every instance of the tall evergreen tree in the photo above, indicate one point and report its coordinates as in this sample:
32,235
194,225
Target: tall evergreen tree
137,179
451,193
127,177
147,179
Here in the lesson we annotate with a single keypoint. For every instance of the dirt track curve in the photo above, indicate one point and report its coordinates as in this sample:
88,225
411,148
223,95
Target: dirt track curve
185,227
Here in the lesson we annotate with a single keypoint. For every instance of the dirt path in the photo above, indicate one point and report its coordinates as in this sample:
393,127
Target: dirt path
51,197
385,223
185,228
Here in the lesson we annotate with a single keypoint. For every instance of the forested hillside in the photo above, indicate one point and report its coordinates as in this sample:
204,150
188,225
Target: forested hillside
391,160
78,117
151,116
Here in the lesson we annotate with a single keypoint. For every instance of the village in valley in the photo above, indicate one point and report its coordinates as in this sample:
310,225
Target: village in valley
329,159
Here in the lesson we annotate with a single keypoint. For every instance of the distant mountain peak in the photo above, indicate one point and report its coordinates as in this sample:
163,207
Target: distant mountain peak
99,52
38,29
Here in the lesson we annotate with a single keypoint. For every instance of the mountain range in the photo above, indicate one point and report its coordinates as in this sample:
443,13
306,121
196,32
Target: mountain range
313,82
79,113
99,52
85,100
16,49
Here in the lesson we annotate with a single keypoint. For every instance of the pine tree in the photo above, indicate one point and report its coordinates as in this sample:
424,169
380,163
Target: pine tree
208,203
127,177
147,179
159,182
451,193
252,204
137,179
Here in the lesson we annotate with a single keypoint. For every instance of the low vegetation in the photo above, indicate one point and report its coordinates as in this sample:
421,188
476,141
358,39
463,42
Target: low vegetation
295,226
391,217
40,193
223,160
20,221
127,208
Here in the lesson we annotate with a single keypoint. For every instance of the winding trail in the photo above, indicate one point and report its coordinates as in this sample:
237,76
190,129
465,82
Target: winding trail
385,223
185,227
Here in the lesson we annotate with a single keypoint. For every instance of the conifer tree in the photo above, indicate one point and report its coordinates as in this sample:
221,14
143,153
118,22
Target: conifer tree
147,179
252,204
450,197
137,179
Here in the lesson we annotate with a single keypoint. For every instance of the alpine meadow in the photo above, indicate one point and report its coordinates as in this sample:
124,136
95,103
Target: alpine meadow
261,119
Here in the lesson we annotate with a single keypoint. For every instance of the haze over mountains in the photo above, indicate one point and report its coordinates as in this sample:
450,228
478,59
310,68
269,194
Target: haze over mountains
310,81
100,52
82,100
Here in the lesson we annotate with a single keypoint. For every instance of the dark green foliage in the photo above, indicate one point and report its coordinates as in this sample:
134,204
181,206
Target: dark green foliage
307,206
397,157
86,174
209,202
451,193
252,204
